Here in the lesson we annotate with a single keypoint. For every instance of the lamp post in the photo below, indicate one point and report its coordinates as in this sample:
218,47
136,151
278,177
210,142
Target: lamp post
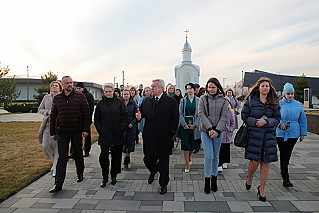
235,88
242,83
224,83
27,82
114,81
123,78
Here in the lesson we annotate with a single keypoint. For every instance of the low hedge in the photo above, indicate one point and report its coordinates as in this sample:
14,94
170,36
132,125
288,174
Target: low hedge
24,108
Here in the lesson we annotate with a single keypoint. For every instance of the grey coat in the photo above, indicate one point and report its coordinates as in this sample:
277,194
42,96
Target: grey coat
182,122
218,112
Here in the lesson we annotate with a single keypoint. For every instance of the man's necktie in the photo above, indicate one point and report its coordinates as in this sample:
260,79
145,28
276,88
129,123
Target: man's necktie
156,99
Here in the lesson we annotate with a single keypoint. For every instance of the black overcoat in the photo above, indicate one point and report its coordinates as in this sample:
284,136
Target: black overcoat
111,119
161,121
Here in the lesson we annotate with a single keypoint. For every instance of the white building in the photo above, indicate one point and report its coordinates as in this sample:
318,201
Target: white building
186,72
27,86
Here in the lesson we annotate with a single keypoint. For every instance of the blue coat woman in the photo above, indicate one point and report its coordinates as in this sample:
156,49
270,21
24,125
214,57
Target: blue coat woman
293,125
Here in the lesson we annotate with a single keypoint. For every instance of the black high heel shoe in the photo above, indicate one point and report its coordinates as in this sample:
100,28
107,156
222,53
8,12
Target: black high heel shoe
247,186
261,198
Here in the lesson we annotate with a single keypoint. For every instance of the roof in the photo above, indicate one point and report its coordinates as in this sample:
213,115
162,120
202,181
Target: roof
38,81
187,46
278,81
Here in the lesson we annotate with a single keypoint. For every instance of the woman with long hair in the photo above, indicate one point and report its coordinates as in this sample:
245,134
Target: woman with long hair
170,90
134,95
234,104
111,120
178,95
293,125
261,113
212,112
50,146
130,133
189,124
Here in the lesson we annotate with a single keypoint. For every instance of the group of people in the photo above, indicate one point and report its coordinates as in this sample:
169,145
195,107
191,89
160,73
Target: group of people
208,117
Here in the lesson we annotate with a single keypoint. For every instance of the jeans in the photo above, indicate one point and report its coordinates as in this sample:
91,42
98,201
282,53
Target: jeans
211,151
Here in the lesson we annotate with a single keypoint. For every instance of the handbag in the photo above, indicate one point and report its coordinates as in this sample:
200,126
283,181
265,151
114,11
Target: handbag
241,136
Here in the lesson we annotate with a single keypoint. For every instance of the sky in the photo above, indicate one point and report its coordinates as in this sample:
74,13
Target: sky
94,41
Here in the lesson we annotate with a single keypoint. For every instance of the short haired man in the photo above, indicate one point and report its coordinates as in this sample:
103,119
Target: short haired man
70,120
161,120
121,87
90,99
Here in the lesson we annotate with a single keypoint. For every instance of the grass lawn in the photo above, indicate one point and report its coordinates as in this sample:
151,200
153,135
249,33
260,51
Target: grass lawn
22,159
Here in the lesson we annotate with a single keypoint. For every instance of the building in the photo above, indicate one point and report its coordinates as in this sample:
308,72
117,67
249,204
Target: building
27,86
186,72
279,81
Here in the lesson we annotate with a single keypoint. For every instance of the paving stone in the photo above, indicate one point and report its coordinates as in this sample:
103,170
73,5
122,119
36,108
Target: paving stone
151,208
151,203
306,205
69,211
65,203
100,211
42,205
107,195
61,194
25,203
263,208
31,210
173,206
169,196
9,202
258,203
304,195
7,210
200,196
206,206
84,206
283,205
239,206
124,205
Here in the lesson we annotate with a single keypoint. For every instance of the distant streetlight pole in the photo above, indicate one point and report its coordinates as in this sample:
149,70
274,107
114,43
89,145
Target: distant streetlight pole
224,83
27,82
242,83
123,78
235,89
114,81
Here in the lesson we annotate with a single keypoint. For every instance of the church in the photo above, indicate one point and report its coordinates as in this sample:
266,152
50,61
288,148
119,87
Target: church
186,72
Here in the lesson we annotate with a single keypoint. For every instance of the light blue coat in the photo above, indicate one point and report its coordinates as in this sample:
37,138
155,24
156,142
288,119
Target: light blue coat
292,114
182,122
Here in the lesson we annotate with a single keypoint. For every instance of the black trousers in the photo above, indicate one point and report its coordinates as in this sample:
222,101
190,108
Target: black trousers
87,144
197,143
116,153
63,149
158,163
285,148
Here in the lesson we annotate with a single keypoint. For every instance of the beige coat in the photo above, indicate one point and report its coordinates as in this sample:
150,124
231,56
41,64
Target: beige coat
45,109
218,112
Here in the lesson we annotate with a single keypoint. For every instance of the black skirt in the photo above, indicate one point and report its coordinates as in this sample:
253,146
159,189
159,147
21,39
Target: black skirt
224,153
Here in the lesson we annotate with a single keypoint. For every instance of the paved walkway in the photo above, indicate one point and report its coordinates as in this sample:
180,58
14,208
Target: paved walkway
132,193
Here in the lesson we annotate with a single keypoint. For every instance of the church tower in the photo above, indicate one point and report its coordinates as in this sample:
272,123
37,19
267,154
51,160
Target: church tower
186,72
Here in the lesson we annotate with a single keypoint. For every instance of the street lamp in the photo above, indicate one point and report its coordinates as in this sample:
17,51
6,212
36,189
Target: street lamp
114,81
224,83
242,83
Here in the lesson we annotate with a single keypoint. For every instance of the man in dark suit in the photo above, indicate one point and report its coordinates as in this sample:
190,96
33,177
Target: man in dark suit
161,120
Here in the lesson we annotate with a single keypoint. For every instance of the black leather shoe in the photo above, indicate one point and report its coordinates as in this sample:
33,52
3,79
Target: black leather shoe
163,190
55,189
71,156
113,182
80,178
86,154
103,183
248,187
287,183
196,150
151,179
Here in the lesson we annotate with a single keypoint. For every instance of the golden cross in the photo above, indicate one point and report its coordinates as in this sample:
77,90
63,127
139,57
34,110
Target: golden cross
186,31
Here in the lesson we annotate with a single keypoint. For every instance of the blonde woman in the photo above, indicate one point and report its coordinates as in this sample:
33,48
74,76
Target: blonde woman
50,146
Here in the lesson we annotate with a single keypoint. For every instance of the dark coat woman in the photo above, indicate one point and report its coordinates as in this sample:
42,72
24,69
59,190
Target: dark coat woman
110,119
261,113
130,135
